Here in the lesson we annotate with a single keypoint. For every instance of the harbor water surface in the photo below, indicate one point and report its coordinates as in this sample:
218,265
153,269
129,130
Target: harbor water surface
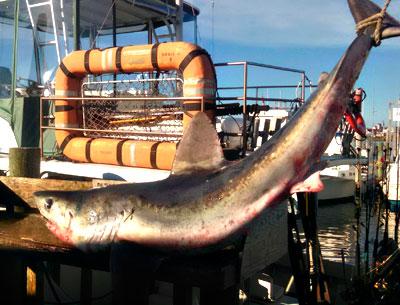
337,231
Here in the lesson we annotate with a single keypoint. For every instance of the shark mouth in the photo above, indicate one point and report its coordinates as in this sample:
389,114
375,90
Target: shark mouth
63,234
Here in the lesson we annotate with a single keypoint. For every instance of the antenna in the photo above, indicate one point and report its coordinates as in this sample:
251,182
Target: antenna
212,27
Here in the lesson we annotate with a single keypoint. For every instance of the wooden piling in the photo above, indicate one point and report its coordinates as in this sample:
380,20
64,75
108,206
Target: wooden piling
34,283
308,207
24,162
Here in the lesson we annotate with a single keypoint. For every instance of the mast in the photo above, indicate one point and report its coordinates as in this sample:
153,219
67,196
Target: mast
179,20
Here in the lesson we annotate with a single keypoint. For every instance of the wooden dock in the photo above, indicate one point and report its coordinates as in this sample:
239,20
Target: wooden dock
26,243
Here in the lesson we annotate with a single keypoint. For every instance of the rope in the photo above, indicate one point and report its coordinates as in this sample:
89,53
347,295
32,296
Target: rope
374,19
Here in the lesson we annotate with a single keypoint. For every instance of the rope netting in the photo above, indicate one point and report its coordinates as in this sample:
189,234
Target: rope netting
159,120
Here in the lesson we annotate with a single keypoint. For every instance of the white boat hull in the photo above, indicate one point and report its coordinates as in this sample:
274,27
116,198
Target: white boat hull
337,189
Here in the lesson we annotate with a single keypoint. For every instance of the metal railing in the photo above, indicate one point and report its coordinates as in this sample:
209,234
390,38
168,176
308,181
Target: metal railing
175,133
245,97
118,133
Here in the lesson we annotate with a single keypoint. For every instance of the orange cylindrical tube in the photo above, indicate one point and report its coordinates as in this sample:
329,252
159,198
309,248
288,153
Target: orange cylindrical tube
199,82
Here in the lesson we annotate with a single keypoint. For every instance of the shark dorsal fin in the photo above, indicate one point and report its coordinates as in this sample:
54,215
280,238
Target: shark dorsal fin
199,149
362,9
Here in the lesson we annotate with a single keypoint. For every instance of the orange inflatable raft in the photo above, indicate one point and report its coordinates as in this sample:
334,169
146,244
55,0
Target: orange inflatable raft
199,81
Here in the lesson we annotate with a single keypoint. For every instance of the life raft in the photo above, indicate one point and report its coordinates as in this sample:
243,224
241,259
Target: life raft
199,80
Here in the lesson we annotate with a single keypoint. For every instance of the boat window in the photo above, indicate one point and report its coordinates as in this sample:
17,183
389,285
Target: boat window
46,34
26,73
6,47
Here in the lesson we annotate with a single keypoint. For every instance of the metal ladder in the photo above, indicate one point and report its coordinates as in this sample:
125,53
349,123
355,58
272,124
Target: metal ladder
39,45
170,36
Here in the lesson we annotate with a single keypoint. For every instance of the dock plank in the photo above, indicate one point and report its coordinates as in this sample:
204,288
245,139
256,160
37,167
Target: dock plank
26,235
25,187
28,232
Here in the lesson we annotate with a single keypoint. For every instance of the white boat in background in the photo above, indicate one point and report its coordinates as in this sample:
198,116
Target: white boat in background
394,185
339,181
7,137
336,189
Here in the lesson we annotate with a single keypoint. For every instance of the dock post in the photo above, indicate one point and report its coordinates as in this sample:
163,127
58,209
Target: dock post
295,249
25,162
308,206
34,283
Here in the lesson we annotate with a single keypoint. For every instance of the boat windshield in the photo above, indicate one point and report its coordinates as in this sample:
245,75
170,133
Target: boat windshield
43,32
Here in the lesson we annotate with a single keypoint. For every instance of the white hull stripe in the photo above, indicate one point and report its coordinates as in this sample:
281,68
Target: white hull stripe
132,149
107,63
198,91
66,93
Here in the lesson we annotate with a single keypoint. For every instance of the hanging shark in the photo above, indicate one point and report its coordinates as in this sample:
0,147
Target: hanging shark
205,202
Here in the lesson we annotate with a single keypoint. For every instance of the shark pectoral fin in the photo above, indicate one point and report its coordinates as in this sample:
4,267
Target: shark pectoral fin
362,9
199,149
311,184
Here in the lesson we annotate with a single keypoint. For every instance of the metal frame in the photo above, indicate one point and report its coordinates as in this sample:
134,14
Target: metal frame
245,97
14,55
131,81
141,99
76,7
53,20
124,81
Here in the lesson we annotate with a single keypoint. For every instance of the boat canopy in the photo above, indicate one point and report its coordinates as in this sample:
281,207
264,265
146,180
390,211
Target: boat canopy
130,14
36,34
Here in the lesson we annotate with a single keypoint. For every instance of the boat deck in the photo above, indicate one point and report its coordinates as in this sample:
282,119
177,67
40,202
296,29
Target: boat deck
95,171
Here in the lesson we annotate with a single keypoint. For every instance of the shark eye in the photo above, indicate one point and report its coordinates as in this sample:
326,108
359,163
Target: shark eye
48,203
92,218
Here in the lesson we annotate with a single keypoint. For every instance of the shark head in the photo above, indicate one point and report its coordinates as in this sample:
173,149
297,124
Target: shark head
77,221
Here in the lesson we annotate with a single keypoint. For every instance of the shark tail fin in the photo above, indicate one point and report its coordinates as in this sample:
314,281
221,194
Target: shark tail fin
367,14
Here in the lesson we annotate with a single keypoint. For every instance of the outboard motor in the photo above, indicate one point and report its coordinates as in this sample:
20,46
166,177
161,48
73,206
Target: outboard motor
232,137
232,133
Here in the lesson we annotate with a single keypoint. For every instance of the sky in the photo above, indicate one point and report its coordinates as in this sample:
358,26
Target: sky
309,35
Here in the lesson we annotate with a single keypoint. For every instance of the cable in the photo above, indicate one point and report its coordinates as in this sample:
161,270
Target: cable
212,27
103,23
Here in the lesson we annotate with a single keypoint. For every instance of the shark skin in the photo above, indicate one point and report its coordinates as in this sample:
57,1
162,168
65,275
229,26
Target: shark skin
203,203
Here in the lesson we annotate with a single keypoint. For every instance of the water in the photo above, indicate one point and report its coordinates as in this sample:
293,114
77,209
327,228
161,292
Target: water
336,224
336,232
